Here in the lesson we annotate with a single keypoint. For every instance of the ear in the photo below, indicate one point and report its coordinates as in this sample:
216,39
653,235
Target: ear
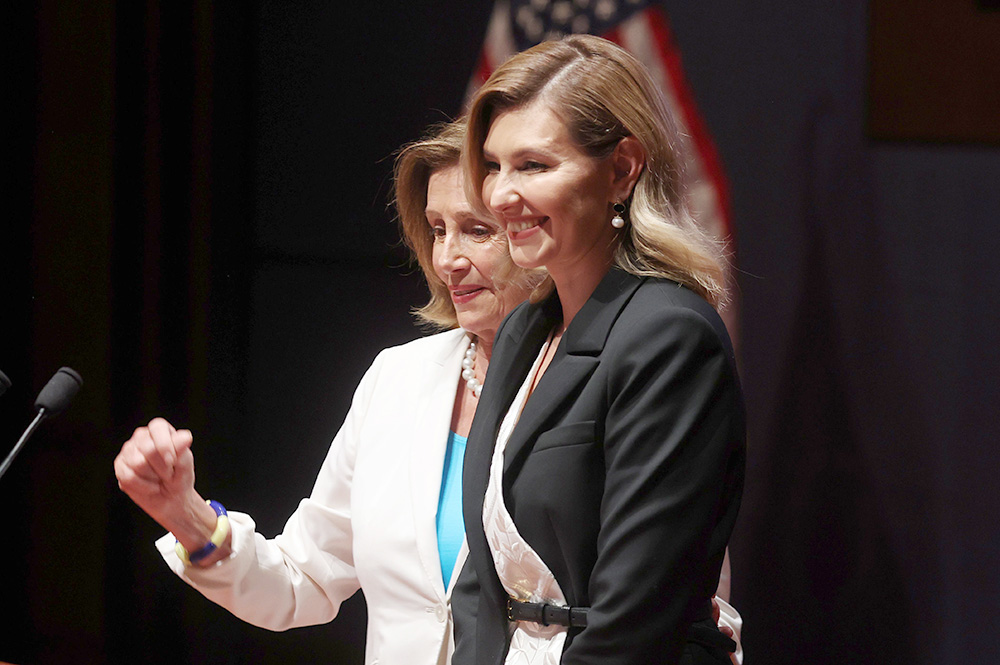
628,160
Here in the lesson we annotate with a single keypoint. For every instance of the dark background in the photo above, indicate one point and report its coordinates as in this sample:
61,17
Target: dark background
197,221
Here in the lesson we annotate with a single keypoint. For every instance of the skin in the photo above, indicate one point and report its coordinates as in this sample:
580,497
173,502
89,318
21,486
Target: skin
467,252
553,200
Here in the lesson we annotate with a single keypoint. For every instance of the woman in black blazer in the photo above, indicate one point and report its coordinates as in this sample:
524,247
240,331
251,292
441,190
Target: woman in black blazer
605,464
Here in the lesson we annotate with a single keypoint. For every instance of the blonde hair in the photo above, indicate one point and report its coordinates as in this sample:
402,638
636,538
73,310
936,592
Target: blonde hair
604,94
440,149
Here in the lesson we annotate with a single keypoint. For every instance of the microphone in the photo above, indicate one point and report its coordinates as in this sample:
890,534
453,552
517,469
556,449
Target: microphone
53,400
4,383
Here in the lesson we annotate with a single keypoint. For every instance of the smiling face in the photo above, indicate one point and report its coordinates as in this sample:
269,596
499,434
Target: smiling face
470,256
553,200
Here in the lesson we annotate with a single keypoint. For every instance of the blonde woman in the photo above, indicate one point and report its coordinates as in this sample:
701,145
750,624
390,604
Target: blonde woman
605,466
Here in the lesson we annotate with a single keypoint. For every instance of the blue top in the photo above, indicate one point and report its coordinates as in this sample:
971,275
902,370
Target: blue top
450,526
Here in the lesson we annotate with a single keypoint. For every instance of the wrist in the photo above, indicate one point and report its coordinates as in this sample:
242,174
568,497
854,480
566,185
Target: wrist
192,523
217,546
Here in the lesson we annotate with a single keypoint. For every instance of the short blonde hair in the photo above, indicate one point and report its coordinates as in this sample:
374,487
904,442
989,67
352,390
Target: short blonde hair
604,94
415,163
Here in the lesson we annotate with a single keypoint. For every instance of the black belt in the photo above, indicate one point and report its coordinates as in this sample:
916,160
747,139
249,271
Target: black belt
703,632
545,614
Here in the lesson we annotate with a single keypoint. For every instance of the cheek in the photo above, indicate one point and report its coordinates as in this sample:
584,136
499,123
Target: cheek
436,250
486,191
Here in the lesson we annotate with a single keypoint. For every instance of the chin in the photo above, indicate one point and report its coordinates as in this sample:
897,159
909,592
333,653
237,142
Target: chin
526,259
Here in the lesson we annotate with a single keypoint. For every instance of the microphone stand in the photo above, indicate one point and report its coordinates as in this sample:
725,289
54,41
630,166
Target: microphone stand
20,442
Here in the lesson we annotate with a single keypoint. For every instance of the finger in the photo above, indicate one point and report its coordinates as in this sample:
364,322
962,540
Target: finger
134,484
726,630
182,439
132,458
165,456
161,423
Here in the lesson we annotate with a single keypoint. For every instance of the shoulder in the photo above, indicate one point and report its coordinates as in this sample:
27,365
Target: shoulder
665,311
413,364
436,347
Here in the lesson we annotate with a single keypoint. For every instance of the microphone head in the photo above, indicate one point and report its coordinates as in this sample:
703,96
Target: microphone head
4,383
58,392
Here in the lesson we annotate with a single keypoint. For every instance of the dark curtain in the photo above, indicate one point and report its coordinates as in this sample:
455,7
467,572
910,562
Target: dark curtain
199,226
120,265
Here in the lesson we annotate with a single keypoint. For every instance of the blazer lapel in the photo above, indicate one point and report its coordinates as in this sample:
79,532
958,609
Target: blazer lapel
576,358
439,379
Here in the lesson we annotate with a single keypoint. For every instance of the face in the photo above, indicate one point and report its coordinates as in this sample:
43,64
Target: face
469,256
553,200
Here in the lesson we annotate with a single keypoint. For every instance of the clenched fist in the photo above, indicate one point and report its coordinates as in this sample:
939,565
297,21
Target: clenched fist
155,468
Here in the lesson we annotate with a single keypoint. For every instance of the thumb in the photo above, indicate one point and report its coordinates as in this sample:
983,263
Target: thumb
182,439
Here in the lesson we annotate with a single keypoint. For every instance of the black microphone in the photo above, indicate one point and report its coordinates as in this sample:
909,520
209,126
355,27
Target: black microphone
53,400
4,383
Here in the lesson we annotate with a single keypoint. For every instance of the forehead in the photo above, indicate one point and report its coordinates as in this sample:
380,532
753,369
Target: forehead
535,126
445,189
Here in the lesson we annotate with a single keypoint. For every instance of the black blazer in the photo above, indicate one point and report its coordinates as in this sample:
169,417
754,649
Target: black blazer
624,471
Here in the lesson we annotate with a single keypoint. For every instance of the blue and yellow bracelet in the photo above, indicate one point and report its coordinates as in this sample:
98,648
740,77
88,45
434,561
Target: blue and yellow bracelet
218,537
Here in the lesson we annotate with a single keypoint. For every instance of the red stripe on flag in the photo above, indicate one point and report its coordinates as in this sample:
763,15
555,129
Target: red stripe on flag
671,58
483,68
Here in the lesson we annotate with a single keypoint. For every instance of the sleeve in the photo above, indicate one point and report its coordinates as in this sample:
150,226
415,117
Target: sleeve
673,447
728,616
302,576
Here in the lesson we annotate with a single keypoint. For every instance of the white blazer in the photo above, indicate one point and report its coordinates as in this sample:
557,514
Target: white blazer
369,522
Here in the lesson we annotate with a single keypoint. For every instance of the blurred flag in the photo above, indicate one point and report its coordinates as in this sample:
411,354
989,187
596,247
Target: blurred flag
642,28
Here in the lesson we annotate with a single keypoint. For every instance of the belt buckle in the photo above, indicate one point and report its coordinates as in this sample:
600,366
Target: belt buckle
510,610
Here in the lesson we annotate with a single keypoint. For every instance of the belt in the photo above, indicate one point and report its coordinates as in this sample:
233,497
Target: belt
703,632
545,614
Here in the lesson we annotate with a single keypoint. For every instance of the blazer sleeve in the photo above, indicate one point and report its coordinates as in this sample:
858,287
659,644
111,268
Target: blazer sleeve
302,576
673,445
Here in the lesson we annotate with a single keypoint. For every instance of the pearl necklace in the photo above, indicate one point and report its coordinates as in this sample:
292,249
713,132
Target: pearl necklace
469,370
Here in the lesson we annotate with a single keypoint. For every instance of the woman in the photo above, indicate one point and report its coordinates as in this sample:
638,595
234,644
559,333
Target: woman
384,514
605,465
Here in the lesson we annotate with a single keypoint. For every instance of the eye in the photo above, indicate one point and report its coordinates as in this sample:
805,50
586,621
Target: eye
492,167
482,232
437,231
532,165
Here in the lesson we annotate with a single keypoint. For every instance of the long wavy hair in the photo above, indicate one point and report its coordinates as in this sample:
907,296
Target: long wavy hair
603,94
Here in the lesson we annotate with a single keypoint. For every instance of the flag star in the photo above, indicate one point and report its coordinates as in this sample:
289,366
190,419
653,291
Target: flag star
562,12
534,29
540,5
605,9
581,24
524,16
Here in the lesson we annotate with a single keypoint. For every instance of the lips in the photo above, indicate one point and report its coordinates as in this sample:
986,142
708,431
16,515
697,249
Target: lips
522,229
463,294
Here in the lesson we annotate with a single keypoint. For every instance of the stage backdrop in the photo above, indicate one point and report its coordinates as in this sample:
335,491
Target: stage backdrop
199,226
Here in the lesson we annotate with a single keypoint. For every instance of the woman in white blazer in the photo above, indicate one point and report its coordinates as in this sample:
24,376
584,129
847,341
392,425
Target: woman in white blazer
382,514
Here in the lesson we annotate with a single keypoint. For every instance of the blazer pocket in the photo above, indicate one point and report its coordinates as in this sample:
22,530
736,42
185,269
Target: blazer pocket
567,435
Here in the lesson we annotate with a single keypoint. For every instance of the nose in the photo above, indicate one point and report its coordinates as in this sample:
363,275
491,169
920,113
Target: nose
502,193
452,256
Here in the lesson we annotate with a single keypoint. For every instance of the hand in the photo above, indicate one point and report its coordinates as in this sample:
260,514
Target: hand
155,468
716,615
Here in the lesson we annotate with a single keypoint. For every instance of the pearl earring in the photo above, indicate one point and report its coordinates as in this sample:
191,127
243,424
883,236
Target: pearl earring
618,221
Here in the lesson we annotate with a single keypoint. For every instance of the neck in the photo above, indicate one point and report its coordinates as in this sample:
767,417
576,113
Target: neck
484,349
575,289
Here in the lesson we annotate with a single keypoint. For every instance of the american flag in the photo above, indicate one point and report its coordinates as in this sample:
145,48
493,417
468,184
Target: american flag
642,28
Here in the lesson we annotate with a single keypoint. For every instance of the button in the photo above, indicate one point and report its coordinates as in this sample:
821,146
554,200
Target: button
441,613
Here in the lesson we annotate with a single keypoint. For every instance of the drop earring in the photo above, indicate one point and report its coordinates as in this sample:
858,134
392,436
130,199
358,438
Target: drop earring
618,221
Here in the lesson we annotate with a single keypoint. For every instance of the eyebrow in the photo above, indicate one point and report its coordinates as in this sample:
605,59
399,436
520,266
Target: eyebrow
522,153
